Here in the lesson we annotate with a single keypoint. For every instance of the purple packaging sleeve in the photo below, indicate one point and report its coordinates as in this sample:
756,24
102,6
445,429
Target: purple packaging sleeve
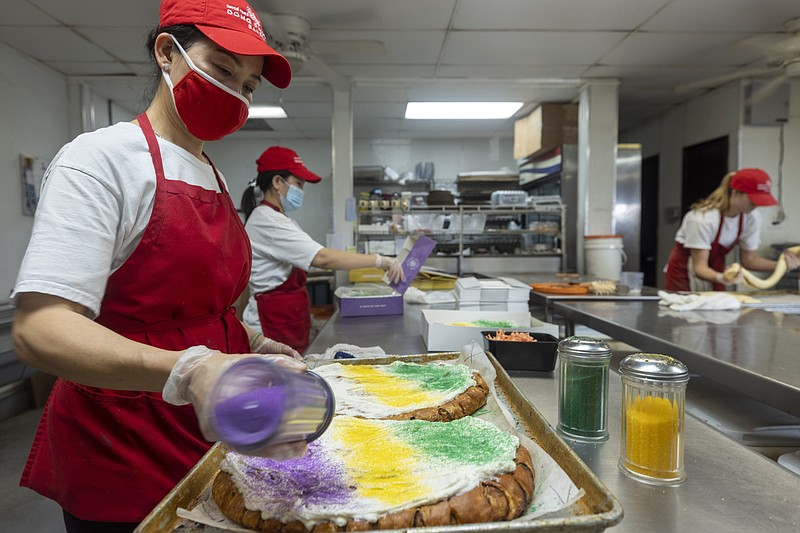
392,305
413,262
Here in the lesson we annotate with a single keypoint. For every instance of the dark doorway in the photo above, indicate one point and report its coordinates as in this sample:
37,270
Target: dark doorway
704,166
648,240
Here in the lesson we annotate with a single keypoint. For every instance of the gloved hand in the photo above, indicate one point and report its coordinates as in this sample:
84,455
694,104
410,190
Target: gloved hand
792,261
264,345
193,377
721,278
392,266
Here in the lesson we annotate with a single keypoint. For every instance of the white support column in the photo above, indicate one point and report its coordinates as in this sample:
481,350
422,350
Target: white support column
598,129
342,159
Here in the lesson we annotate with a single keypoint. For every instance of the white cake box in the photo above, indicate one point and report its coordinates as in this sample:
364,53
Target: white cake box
440,335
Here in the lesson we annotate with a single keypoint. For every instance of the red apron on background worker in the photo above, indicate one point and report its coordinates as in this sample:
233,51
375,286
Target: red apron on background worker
126,290
283,253
714,227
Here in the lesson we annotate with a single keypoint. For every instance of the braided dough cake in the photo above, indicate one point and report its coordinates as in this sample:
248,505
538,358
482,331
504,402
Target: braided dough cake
436,392
365,474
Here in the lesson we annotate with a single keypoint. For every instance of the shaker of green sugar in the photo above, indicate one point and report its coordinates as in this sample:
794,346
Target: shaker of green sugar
583,388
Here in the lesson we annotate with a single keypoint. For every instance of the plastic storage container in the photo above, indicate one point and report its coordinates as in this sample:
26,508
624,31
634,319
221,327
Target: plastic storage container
653,394
509,198
520,355
583,388
256,403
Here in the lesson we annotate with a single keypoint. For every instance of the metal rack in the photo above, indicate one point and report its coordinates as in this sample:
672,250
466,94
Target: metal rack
465,231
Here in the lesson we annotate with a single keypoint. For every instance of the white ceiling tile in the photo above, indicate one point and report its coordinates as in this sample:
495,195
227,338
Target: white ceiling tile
400,72
412,47
680,49
91,68
23,13
126,44
528,48
588,15
52,44
370,15
704,16
307,109
373,110
105,13
648,76
511,71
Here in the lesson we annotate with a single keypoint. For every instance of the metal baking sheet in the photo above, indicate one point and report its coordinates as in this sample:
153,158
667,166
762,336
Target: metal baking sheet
595,511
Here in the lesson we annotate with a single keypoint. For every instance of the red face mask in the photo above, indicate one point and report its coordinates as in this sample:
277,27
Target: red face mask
208,108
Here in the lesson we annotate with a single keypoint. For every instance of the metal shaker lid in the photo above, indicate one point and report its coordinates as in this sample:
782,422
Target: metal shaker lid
589,347
654,366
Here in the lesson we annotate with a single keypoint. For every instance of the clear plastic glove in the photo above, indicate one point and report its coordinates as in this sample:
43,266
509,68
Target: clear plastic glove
264,345
193,378
792,261
393,267
720,278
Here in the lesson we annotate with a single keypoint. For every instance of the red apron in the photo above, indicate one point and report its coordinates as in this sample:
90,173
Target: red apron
285,311
109,455
677,276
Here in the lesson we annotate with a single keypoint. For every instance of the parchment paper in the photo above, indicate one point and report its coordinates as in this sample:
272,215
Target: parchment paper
554,492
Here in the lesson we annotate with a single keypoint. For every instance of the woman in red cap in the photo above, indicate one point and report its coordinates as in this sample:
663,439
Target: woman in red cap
127,288
714,226
283,253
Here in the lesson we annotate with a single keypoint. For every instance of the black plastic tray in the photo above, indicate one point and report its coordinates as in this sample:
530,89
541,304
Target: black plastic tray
539,356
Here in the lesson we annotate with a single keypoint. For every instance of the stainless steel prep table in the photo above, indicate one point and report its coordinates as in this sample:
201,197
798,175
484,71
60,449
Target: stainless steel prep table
729,487
752,351
547,300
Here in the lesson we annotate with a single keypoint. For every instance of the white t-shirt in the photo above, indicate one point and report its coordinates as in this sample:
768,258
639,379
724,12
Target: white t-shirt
279,245
96,199
699,228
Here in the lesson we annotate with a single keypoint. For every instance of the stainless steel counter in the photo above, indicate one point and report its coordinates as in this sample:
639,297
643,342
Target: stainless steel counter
729,487
752,351
547,300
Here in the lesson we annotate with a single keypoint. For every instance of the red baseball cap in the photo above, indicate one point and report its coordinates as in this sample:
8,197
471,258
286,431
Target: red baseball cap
279,158
234,26
755,183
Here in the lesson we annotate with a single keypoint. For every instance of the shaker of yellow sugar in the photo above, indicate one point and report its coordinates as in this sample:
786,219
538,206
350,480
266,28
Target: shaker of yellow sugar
653,395
651,441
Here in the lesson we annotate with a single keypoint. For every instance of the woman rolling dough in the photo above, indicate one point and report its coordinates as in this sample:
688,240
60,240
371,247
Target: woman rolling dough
714,226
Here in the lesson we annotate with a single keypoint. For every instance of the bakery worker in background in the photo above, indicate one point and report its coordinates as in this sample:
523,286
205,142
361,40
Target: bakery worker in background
283,252
128,283
714,226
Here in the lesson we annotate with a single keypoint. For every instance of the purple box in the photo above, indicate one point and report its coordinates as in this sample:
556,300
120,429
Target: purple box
371,305
375,299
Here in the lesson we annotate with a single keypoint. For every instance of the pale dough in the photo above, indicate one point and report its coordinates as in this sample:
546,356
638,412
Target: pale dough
758,283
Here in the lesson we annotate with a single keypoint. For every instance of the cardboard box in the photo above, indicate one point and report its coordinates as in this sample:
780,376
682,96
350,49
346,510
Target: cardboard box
369,299
441,335
377,299
496,290
366,275
546,127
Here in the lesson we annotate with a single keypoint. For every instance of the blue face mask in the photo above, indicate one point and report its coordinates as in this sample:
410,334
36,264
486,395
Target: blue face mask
293,199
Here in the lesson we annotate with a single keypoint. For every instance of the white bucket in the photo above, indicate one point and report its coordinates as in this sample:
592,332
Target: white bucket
604,256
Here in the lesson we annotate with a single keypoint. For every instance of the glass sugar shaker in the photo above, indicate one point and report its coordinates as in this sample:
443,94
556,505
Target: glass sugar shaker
653,394
583,388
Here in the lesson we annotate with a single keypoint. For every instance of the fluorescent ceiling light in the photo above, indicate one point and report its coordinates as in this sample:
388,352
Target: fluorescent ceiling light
461,110
266,111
